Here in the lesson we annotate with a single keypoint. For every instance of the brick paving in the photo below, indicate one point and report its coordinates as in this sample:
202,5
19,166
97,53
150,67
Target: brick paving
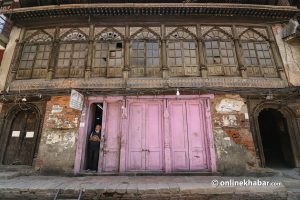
140,187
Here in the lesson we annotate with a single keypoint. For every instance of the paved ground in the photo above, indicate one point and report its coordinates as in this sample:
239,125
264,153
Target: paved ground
14,186
142,187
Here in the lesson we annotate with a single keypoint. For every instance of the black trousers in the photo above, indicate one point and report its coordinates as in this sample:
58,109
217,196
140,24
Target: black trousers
93,158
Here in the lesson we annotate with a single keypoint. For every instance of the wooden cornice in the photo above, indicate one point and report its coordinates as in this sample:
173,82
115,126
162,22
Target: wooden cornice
166,9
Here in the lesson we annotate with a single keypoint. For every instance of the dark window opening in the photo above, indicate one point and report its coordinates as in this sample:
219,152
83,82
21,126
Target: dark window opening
119,45
275,139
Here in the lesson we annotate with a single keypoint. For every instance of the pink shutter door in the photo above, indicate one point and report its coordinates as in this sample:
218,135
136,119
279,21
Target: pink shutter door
135,154
153,135
111,148
195,122
178,132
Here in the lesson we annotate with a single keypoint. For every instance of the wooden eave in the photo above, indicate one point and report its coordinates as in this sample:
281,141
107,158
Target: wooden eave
148,9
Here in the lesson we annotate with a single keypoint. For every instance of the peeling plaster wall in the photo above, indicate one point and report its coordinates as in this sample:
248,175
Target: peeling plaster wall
59,137
233,139
290,56
8,56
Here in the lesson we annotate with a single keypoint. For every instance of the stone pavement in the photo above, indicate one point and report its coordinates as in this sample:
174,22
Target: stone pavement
146,187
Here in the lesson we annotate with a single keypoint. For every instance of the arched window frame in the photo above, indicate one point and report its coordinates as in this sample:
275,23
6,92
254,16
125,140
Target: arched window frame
219,49
257,53
35,56
145,53
108,54
182,49
72,54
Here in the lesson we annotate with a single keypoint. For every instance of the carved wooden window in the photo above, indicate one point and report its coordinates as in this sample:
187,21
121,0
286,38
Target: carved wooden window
108,55
145,60
182,54
72,55
257,55
35,57
220,56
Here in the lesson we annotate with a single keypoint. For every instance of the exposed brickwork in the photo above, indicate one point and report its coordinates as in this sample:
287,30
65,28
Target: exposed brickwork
233,139
59,115
59,136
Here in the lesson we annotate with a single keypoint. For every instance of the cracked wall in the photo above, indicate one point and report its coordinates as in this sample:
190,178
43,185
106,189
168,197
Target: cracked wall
233,139
59,137
290,56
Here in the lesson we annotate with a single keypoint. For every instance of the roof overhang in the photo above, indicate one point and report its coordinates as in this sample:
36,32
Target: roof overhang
166,9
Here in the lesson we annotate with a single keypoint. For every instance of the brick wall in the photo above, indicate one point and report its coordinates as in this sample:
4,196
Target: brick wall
59,137
233,139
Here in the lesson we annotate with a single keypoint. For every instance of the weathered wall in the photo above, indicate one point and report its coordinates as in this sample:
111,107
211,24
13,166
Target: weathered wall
233,139
290,55
59,137
8,56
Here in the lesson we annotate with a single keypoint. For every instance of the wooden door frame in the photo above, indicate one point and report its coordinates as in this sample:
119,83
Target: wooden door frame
9,117
293,130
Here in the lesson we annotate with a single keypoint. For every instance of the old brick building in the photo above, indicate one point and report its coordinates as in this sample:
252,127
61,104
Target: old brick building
177,85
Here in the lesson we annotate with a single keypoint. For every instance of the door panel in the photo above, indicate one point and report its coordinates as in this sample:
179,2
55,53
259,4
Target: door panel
195,124
136,155
153,136
112,137
145,136
22,139
188,135
29,139
179,138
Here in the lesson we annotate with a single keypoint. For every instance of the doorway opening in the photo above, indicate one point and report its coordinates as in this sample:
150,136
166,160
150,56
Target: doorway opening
93,147
275,139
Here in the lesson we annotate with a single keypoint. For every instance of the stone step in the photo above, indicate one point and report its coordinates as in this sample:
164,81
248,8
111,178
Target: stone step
8,175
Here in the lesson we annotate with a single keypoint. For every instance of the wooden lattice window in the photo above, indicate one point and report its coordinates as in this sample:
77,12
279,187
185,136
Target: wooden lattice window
220,55
108,54
182,53
35,56
219,48
145,59
72,55
257,54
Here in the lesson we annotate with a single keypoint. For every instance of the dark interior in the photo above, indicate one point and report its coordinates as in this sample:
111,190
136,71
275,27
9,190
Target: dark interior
275,139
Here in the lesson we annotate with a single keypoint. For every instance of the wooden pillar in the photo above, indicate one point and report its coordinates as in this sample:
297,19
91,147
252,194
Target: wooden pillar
238,51
54,55
88,69
164,61
276,55
126,68
201,49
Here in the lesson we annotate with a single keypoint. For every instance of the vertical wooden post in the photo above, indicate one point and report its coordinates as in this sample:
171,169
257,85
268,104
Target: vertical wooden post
126,68
276,55
54,55
202,61
165,69
88,69
238,51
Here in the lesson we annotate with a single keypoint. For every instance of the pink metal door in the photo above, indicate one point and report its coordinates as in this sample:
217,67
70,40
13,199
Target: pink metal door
144,136
179,137
111,148
153,136
195,124
187,135
136,137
